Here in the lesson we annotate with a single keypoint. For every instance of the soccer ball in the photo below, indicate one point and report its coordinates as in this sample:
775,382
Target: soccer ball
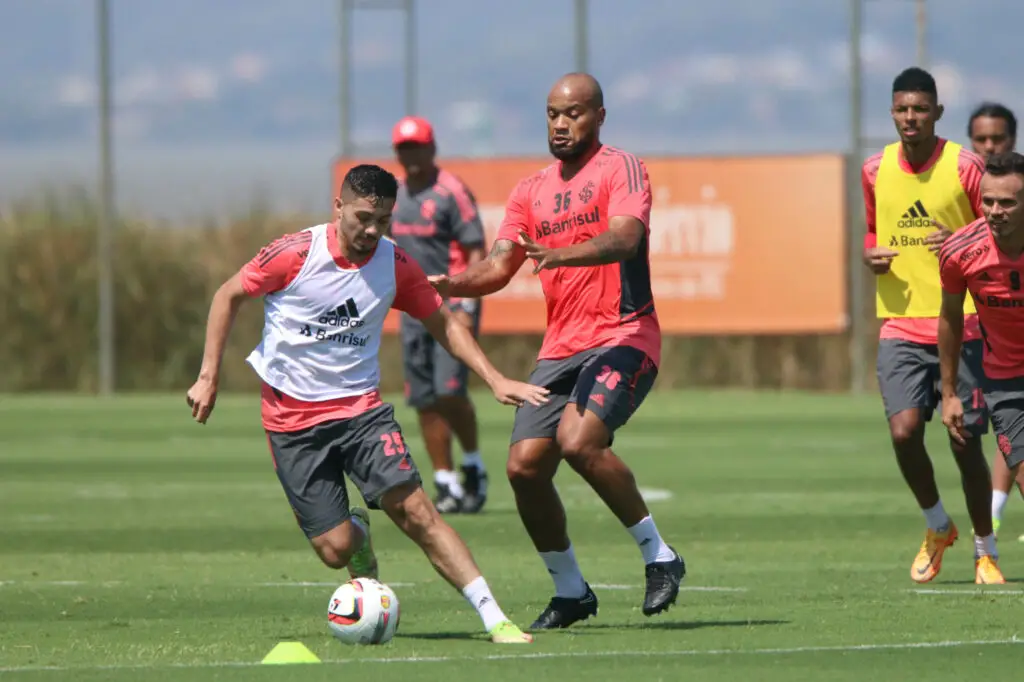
363,611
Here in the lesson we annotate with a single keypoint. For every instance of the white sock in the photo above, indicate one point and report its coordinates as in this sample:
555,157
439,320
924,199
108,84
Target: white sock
565,572
449,478
999,499
649,540
478,594
473,459
985,546
937,517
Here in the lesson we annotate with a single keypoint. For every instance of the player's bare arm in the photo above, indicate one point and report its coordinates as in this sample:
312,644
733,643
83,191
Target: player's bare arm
459,342
474,255
877,259
951,334
486,276
223,309
621,241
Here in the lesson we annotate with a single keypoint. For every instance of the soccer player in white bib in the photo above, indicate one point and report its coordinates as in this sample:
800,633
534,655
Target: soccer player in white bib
326,291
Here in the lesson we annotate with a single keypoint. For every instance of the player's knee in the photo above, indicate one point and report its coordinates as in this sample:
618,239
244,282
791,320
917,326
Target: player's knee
906,428
526,465
456,405
969,455
334,548
332,558
411,510
580,449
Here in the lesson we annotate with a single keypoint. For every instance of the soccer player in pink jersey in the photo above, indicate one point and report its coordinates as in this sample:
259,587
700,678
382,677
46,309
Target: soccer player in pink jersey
986,259
992,129
909,187
326,292
584,222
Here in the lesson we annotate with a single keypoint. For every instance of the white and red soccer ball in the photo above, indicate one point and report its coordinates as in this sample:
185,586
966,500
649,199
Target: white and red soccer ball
363,611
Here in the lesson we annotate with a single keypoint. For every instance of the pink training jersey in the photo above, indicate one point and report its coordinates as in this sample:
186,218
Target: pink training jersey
970,261
971,167
273,269
603,305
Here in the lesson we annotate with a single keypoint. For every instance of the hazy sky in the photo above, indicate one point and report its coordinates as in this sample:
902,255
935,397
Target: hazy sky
217,100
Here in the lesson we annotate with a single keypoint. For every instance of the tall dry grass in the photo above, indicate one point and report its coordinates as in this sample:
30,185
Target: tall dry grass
164,277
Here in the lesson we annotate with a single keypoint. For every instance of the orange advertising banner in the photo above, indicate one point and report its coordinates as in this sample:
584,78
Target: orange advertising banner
738,245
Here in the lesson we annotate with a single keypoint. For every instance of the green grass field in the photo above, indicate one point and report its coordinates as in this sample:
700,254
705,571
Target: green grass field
136,544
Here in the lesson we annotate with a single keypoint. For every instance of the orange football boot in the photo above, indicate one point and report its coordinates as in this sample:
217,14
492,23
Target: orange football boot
986,571
928,562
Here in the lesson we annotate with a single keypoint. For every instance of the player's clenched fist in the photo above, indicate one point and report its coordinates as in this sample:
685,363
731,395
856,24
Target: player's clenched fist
201,398
879,259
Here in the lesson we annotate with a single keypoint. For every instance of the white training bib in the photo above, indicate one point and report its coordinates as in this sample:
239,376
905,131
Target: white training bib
322,333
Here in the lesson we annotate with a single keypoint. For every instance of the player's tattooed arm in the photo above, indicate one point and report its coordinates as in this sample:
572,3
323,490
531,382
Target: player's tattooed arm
487,276
621,241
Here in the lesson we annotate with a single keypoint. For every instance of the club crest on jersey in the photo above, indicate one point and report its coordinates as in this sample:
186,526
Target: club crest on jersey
549,227
587,193
428,209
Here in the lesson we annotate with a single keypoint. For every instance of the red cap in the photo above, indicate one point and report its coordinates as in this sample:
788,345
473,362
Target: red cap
412,129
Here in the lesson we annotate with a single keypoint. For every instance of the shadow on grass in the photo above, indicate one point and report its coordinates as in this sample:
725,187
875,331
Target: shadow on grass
584,629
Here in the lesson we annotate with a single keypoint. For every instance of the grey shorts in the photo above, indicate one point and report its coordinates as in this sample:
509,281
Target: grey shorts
610,382
312,464
1005,398
908,377
430,371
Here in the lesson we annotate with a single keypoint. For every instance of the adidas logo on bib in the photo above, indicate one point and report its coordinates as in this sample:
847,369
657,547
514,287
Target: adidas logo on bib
345,315
915,216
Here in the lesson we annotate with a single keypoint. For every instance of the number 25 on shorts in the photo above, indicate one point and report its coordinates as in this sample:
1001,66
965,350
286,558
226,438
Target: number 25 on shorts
393,444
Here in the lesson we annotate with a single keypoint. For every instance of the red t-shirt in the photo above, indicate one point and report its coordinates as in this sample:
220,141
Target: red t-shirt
970,261
274,268
970,167
603,305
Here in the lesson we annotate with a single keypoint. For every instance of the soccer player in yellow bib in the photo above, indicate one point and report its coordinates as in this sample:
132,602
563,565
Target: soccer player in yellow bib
992,129
917,192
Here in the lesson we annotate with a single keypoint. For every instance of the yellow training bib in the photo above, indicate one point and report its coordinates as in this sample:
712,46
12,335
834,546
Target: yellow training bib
905,205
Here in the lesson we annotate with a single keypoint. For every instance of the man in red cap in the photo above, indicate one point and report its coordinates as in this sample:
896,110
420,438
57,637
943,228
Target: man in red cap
437,223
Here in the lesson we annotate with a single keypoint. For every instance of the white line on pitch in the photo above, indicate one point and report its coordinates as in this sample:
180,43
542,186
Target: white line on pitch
60,583
677,653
